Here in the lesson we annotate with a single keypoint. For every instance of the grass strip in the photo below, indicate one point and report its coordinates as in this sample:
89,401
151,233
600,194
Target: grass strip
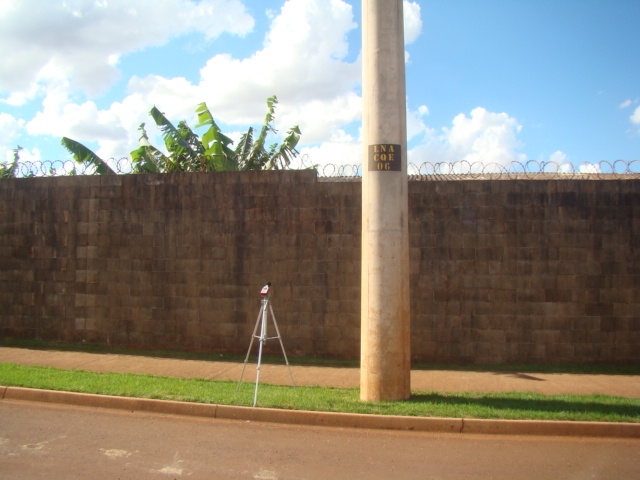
516,406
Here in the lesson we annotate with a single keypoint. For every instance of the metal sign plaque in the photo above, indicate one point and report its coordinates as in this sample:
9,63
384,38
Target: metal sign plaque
385,157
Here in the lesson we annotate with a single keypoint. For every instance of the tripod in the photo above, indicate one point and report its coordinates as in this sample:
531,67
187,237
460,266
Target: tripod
262,321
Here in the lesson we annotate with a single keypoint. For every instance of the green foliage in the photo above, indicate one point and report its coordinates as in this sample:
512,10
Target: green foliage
147,158
82,154
216,145
187,152
252,155
9,171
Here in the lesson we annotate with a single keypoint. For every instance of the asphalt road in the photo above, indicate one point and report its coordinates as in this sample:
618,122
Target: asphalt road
52,441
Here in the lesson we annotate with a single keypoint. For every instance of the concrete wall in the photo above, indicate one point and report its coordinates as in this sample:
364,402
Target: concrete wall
531,271
503,271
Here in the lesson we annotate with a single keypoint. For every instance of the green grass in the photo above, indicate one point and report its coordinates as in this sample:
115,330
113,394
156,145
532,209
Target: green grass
519,406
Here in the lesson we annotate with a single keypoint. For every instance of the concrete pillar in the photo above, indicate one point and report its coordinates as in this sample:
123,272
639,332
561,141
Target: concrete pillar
385,363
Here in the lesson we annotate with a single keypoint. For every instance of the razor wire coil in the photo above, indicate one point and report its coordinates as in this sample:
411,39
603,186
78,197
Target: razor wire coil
426,171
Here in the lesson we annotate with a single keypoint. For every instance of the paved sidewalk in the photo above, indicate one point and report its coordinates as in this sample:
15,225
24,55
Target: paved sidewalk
421,380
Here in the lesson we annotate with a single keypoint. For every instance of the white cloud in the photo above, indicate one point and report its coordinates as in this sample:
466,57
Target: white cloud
334,155
25,155
60,116
412,25
302,62
21,97
10,129
589,168
635,117
303,59
176,97
415,122
82,41
412,21
558,157
484,137
114,129
560,163
30,155
319,120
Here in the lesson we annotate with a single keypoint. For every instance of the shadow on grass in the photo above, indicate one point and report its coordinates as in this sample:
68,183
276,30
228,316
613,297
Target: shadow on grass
590,405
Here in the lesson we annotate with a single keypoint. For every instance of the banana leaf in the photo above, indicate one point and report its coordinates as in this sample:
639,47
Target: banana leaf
9,171
219,156
174,138
82,154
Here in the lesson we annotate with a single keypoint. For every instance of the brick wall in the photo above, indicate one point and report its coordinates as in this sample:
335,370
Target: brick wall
503,271
526,271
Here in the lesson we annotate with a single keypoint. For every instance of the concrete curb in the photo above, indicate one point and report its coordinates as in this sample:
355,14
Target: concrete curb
328,419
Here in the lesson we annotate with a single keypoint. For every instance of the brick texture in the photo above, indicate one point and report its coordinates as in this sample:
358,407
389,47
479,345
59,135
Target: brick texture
502,271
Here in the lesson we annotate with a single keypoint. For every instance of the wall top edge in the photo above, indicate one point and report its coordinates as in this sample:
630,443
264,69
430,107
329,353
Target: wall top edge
180,178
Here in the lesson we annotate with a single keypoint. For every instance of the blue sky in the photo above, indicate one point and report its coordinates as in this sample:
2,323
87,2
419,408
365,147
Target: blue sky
487,80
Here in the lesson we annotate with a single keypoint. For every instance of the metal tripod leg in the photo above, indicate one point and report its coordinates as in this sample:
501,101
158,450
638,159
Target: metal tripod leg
253,336
286,360
263,339
262,320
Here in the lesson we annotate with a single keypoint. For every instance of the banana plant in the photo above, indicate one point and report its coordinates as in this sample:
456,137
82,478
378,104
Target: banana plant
147,158
82,154
9,171
215,143
187,152
252,155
